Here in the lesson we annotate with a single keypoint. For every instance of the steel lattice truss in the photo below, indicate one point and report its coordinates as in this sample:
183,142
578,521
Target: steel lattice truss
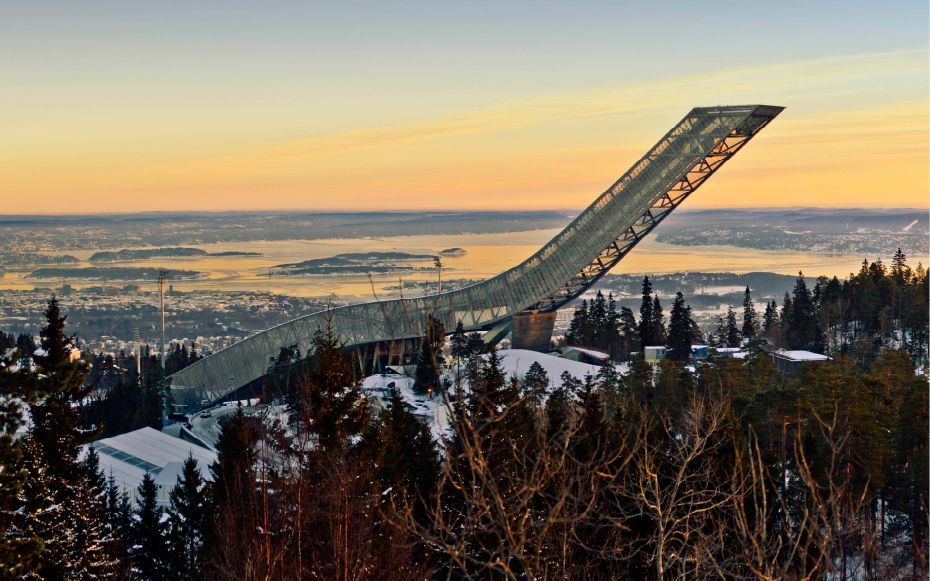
557,273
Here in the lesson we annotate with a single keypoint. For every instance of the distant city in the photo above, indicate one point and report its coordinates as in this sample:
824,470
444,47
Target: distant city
105,303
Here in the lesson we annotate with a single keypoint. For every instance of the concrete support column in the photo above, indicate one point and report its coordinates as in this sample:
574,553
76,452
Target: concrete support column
532,331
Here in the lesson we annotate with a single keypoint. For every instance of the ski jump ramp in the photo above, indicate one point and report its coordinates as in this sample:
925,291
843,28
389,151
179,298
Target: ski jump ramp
524,299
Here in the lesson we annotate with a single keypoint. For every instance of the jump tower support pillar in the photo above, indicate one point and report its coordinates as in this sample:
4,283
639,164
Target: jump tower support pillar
533,331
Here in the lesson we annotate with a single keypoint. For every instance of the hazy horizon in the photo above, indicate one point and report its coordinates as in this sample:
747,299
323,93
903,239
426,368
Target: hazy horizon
682,210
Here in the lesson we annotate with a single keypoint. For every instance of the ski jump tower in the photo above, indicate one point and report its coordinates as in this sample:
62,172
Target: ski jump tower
523,300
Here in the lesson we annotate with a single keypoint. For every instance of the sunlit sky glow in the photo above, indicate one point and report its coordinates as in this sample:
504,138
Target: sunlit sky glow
118,107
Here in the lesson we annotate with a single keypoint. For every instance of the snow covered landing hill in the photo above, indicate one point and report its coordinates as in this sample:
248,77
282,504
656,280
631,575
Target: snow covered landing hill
517,362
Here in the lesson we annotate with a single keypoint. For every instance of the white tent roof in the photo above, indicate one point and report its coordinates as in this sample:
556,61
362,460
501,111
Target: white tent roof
170,473
799,355
129,456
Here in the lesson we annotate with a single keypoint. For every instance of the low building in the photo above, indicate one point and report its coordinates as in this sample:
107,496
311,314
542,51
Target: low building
728,351
129,456
699,352
654,354
790,361
586,355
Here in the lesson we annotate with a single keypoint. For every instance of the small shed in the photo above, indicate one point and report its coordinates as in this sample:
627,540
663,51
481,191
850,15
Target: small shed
654,354
790,361
589,356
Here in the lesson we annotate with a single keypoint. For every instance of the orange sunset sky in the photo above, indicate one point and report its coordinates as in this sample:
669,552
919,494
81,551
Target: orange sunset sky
109,108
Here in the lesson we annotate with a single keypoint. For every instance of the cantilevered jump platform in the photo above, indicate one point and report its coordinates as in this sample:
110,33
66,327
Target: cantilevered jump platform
523,299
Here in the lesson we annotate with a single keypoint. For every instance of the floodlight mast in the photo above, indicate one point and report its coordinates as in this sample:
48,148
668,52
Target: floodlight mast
135,336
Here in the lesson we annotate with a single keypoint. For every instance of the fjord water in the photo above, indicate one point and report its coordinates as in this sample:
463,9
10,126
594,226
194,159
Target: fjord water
487,255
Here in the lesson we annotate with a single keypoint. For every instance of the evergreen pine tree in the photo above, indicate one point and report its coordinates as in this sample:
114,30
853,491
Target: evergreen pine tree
658,322
489,391
63,502
647,336
578,329
609,383
629,333
118,518
597,321
719,336
750,326
430,360
612,333
475,345
770,319
26,345
150,553
459,343
801,331
732,331
784,320
234,469
18,550
558,414
679,330
403,453
334,409
697,336
187,520
536,383
898,263
591,435
232,492
572,386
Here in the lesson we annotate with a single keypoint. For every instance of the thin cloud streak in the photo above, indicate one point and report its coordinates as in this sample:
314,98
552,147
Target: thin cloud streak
775,82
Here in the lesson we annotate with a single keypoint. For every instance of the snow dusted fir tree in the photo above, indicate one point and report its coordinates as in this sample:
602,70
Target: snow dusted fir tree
63,501
188,518
149,535
18,550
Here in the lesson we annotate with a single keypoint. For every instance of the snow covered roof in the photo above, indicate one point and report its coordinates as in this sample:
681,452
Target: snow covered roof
591,352
799,355
169,474
129,456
